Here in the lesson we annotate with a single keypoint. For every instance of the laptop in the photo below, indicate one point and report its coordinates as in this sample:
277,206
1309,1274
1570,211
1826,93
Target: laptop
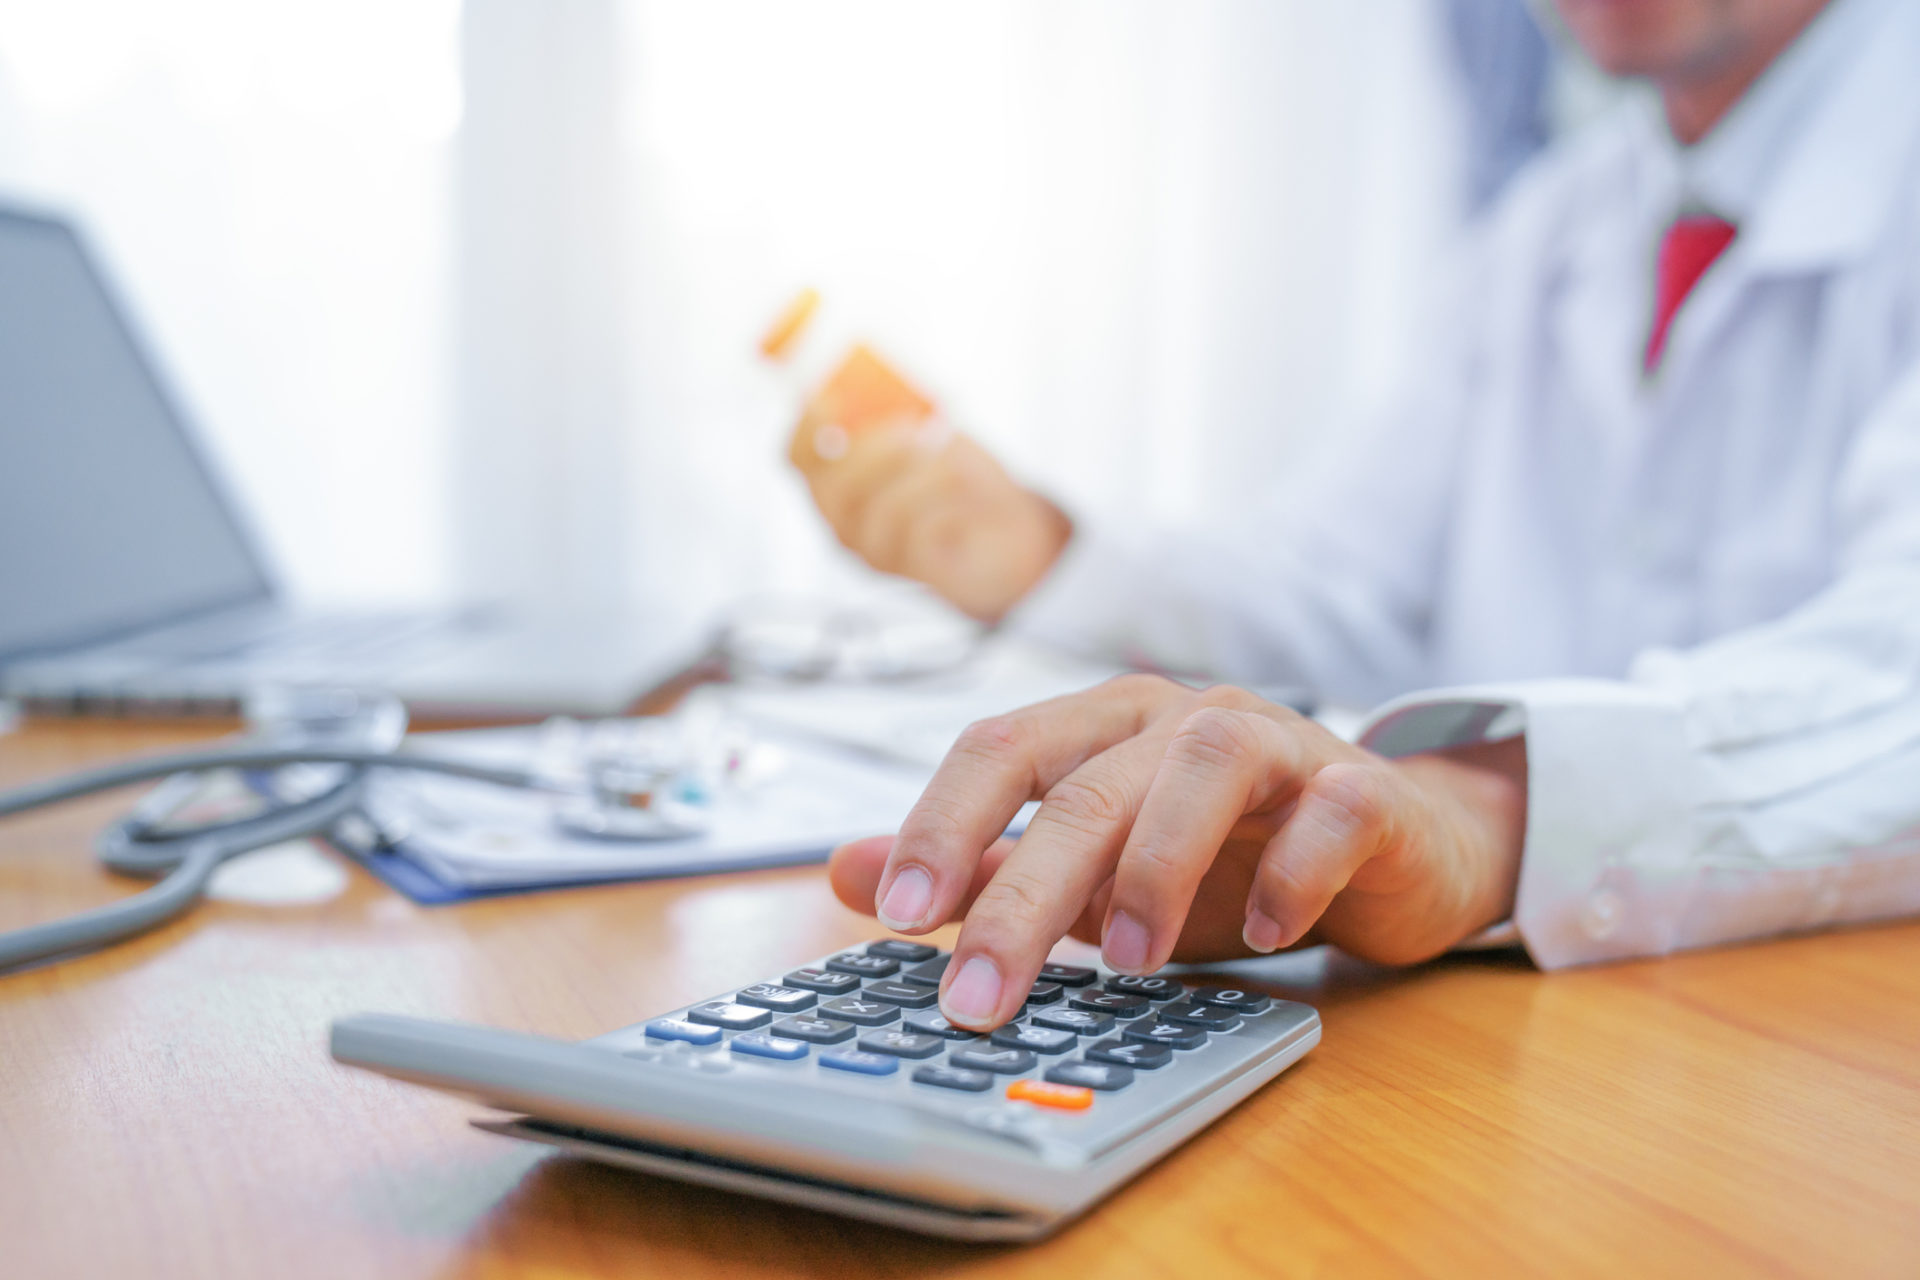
130,584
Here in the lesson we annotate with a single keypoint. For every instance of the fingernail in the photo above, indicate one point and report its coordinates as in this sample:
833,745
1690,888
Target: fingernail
974,994
907,900
1261,933
1126,944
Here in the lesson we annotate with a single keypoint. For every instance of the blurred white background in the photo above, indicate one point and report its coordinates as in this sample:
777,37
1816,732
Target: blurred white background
465,297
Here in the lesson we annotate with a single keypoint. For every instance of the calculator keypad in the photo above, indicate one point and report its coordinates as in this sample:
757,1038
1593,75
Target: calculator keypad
860,1014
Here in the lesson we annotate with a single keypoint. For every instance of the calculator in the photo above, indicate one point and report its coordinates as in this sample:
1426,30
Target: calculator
838,1085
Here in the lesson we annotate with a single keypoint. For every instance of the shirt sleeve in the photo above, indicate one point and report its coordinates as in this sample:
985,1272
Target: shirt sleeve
1329,585
1763,783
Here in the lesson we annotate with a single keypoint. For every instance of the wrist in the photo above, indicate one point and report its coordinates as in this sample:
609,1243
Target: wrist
1486,784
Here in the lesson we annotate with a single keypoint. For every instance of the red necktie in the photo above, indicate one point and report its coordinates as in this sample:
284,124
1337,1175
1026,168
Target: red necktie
1688,249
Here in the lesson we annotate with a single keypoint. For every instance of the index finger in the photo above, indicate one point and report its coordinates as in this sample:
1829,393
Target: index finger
996,766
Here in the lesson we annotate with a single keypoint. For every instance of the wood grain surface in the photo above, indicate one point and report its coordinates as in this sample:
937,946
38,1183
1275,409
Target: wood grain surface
167,1108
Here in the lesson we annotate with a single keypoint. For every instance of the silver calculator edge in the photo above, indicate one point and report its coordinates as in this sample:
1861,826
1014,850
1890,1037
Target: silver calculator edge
824,1148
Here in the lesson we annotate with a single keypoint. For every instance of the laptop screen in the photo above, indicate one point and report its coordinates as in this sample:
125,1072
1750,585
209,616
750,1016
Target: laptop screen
109,520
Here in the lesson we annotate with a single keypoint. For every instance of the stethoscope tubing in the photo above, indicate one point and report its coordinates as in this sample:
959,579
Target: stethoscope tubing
187,860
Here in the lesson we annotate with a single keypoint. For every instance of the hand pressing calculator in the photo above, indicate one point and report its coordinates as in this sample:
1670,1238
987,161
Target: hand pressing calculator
840,1086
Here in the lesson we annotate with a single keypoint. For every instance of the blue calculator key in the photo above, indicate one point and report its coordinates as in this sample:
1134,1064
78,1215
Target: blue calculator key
953,1078
934,1023
928,974
764,995
864,966
1067,975
1038,1039
725,1013
900,949
865,1064
761,1045
1152,986
681,1029
815,1030
824,981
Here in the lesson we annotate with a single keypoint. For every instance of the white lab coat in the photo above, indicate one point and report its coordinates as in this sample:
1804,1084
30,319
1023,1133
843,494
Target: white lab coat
1696,593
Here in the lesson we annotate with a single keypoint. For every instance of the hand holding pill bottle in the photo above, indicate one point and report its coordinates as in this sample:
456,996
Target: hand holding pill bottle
898,485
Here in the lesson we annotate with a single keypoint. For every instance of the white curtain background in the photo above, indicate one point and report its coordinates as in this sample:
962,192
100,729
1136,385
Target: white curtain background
1146,251
268,182
467,296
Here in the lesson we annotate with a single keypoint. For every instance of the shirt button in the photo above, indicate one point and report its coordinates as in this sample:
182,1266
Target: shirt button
1601,914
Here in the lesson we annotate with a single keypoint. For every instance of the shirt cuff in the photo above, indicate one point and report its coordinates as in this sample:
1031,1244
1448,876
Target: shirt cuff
1607,868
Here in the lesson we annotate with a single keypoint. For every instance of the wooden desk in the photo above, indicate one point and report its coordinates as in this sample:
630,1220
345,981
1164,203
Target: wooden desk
168,1108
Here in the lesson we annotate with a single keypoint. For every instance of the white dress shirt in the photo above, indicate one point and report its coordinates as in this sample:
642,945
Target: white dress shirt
1697,593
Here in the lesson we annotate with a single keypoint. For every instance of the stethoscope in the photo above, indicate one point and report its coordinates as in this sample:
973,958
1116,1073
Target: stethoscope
348,737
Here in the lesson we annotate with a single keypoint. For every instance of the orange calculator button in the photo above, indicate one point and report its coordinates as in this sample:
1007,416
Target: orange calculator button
1067,1097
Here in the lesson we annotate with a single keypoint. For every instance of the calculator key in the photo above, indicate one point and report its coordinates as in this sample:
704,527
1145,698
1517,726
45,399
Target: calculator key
680,1029
759,1044
1233,998
928,974
1168,1033
1208,1017
1008,1062
864,966
815,1030
902,1044
1120,1006
1150,986
867,1013
1038,1039
1104,1076
866,1064
905,994
1044,993
725,1013
934,1023
1144,1057
824,981
900,949
953,1078
765,995
1065,1097
1079,1021
1067,975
